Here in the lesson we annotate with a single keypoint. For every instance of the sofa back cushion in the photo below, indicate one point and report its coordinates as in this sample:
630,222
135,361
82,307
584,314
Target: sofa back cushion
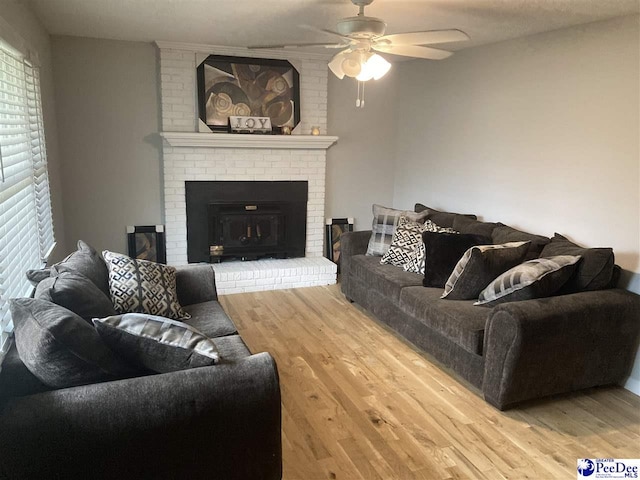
468,225
443,250
60,348
595,269
504,233
443,219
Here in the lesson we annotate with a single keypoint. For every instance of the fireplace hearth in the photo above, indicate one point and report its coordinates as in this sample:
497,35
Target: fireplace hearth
245,220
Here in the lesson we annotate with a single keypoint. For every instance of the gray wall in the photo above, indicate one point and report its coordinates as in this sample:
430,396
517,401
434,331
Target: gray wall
360,167
542,133
27,26
108,124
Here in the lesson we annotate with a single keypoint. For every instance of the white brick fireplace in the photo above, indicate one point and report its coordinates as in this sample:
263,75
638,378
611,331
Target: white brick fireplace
189,154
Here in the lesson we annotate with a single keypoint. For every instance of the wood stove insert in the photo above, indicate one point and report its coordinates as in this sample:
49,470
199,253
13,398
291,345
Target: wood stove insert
245,220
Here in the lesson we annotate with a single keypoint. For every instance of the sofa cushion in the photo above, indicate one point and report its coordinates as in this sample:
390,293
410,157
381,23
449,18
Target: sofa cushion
479,266
444,219
385,221
156,343
140,286
60,348
503,234
210,319
457,320
595,269
89,263
537,278
74,291
443,252
386,280
468,225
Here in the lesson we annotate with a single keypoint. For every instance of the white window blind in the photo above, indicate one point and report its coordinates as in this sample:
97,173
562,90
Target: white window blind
26,226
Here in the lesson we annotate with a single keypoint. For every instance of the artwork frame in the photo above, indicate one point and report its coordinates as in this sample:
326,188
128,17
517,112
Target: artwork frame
147,242
334,228
245,86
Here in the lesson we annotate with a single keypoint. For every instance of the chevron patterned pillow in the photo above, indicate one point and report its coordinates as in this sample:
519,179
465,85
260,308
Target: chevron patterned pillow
140,286
406,238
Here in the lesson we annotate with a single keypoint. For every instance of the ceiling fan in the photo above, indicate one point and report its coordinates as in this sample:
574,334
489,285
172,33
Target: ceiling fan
360,37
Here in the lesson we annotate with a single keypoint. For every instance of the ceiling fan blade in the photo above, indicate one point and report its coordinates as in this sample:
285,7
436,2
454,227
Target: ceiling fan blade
299,45
324,30
426,38
414,51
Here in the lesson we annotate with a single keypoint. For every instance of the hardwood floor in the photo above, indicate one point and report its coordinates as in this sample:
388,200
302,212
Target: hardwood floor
360,403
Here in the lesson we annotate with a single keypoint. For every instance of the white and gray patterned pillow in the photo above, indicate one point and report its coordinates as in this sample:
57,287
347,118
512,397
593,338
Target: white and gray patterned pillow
536,278
418,255
157,343
140,286
406,238
480,265
385,221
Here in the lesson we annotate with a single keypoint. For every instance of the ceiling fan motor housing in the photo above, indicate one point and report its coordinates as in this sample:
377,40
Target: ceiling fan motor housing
361,27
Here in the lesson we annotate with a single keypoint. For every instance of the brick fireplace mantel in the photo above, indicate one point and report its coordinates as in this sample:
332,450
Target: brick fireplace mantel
228,140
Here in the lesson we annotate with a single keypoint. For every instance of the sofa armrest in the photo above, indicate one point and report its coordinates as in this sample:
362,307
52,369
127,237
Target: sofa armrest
559,344
195,283
221,421
351,243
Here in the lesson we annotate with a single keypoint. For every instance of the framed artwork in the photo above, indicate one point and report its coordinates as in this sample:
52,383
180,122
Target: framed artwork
335,227
147,243
253,87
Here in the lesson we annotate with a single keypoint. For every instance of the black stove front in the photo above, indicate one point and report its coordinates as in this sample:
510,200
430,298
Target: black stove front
245,220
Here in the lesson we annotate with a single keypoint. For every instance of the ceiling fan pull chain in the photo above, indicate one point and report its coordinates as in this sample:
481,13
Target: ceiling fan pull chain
360,99
358,94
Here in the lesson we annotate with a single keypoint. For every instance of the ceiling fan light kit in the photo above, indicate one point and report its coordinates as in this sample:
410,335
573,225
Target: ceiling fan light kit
362,36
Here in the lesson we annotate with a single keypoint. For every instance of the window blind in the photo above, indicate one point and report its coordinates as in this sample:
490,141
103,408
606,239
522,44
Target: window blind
26,226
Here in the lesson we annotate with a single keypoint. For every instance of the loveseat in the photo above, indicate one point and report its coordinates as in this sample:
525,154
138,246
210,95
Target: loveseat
218,421
513,351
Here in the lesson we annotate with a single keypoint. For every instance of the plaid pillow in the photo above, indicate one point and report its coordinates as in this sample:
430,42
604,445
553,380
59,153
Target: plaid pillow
385,221
537,278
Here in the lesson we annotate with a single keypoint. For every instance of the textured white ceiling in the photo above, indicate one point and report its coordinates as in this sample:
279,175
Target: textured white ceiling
255,22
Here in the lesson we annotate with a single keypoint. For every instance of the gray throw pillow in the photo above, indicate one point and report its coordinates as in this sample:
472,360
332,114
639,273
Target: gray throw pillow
157,343
595,270
481,264
538,278
36,276
385,221
140,286
87,262
74,291
444,219
60,348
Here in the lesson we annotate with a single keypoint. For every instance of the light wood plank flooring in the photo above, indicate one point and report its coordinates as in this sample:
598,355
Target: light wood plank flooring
360,403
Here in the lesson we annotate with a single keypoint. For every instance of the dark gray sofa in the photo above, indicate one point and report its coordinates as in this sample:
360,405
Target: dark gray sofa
512,352
220,421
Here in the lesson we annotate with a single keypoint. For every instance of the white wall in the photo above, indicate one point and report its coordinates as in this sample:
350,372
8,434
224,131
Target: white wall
107,93
25,24
541,133
360,167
